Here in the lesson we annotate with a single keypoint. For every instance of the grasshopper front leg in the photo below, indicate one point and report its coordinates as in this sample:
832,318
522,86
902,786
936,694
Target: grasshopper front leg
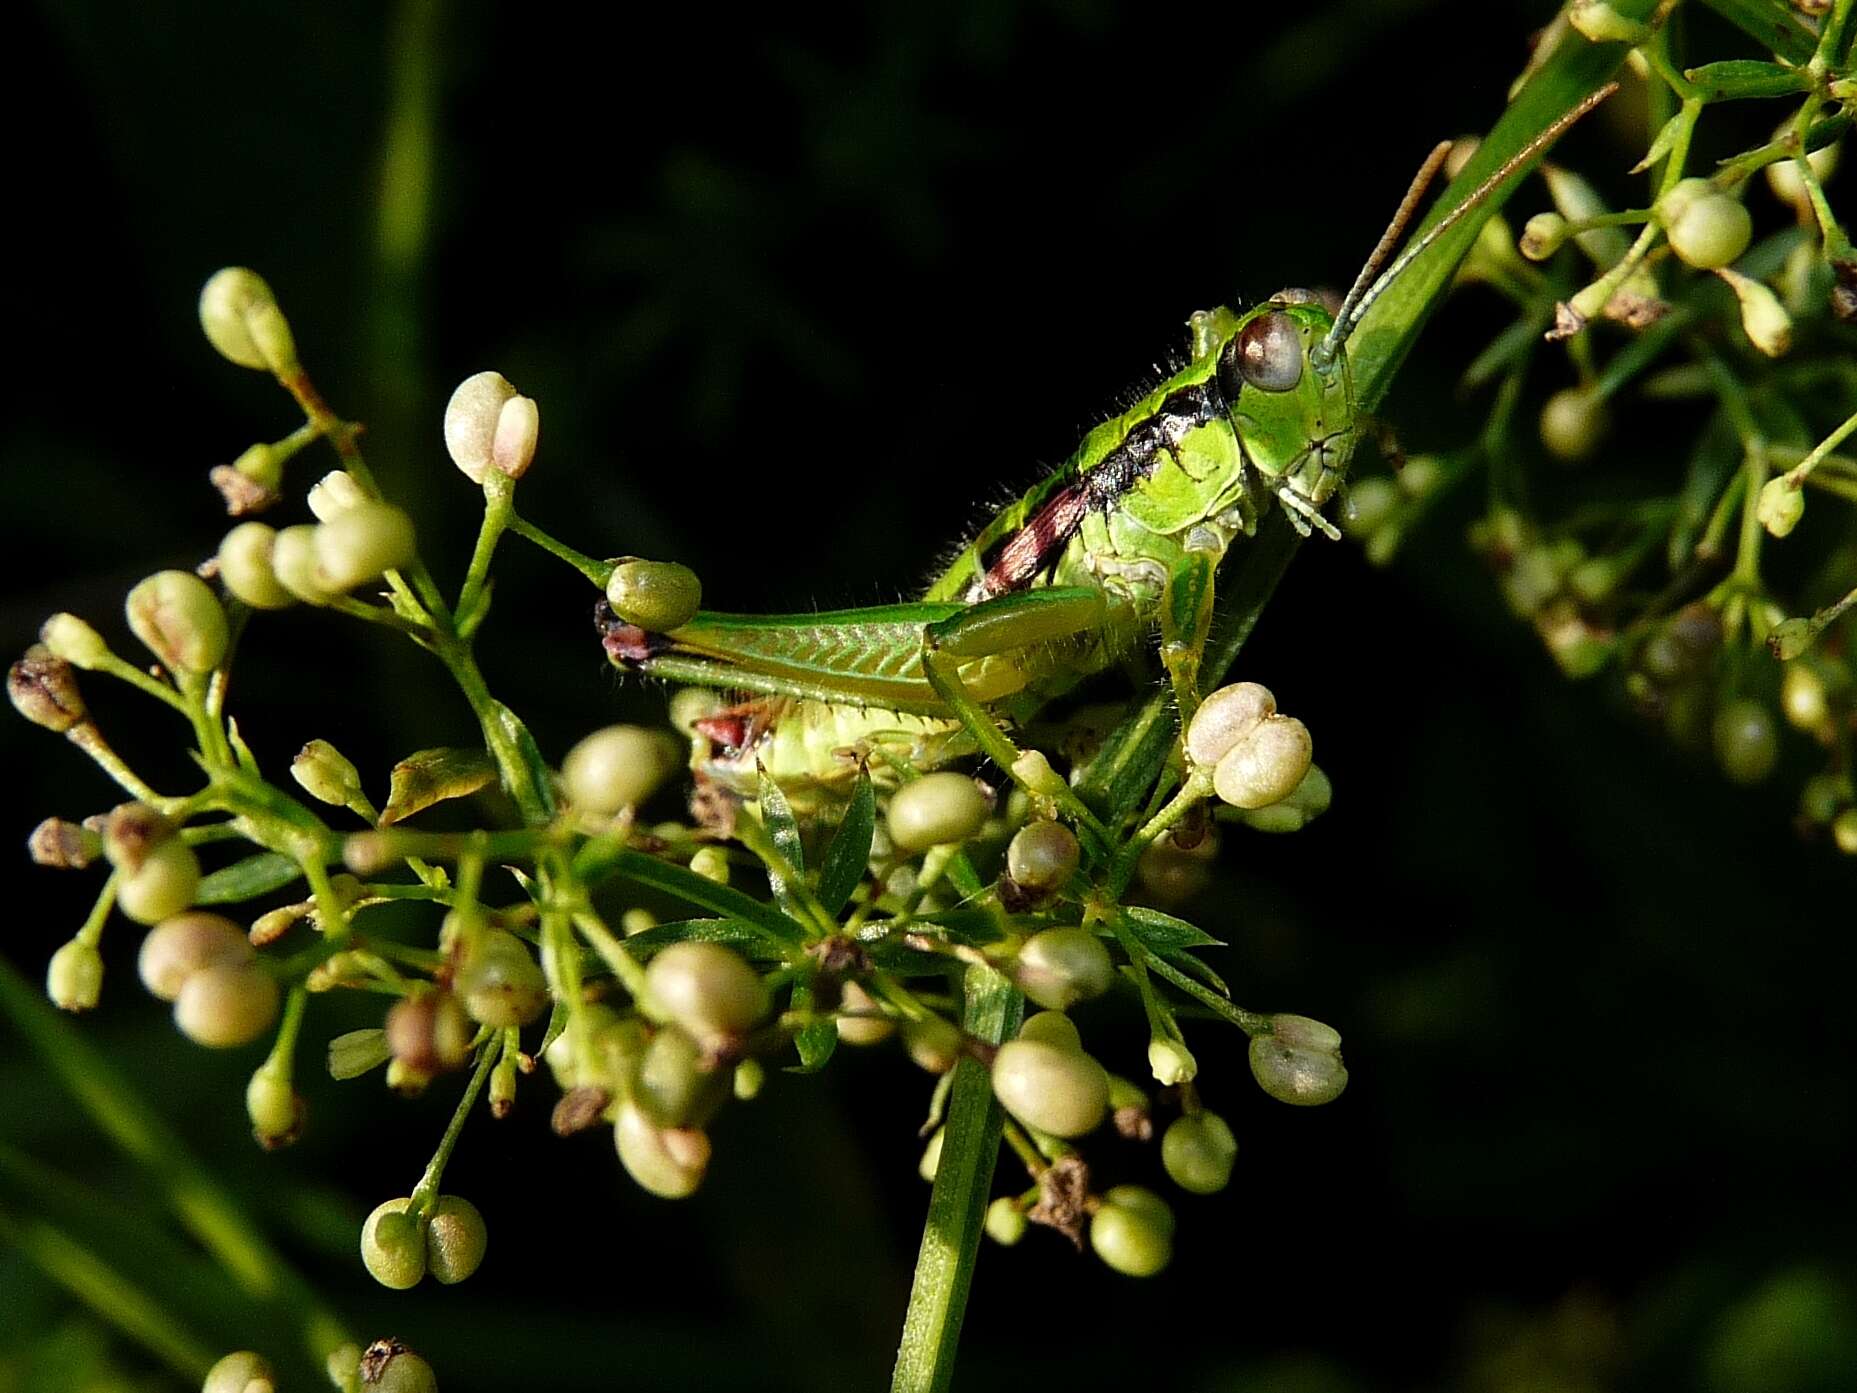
1009,629
1186,619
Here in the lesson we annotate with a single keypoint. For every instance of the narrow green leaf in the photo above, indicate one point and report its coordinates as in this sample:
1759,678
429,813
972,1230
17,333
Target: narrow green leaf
1166,934
431,776
815,1042
1743,77
597,860
951,1237
1187,962
847,856
248,879
731,932
784,828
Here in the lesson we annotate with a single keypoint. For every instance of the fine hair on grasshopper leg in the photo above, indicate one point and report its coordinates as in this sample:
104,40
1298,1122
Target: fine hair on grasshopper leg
1122,541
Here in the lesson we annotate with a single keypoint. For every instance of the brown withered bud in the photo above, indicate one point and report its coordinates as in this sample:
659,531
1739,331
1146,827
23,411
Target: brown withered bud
131,833
43,689
430,1032
579,1109
62,845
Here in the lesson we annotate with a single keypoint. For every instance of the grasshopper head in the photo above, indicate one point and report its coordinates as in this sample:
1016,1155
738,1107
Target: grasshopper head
1291,404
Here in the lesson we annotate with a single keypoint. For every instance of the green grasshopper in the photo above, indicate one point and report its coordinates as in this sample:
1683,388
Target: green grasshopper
1124,539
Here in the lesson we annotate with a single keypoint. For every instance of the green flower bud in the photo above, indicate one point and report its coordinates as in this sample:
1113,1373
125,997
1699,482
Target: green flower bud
74,976
326,774
70,638
749,1078
43,689
1369,505
1543,235
1034,771
488,423
1051,1028
362,543
390,1367
692,704
1132,1231
1296,1073
1803,697
935,809
637,921
1781,505
658,596
455,1239
1266,765
500,982
675,1085
263,465
226,1004
1171,1062
1198,1151
1042,856
1763,319
933,1044
1747,740
1005,1222
335,493
293,564
430,1032
931,1155
618,767
1305,1032
275,1110
1707,229
503,1086
179,619
1844,831
177,948
355,1053
1055,1090
712,863
1172,874
392,1247
708,990
667,1162
162,886
245,567
1791,637
241,1372
1060,967
1226,717
1129,1110
1602,24
1788,185
62,845
242,320
1573,423
343,1366
1309,801
860,1018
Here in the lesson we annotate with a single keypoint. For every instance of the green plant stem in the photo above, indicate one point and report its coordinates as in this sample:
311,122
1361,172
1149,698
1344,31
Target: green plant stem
957,1206
426,1191
599,572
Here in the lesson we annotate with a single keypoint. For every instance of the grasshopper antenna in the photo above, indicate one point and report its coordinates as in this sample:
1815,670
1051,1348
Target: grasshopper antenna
1367,288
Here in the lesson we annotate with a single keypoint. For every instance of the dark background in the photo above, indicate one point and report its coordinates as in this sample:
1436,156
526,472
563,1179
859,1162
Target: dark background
800,298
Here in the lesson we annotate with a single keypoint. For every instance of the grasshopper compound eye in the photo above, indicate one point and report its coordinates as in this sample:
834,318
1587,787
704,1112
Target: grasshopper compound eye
1268,353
